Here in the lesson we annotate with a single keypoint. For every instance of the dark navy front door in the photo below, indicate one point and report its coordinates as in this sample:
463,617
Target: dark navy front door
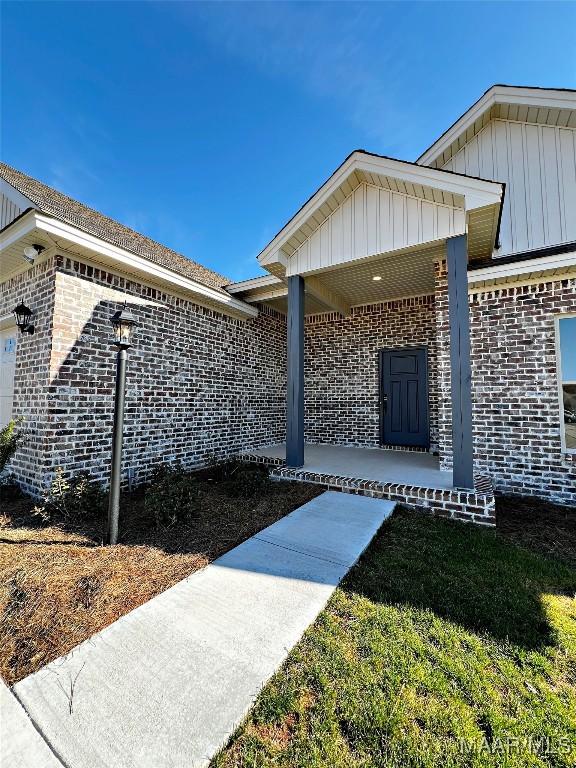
404,397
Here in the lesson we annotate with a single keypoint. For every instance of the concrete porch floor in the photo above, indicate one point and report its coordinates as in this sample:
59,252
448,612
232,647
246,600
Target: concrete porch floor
383,466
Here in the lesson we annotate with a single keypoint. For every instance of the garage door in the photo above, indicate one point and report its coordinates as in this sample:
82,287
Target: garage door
7,365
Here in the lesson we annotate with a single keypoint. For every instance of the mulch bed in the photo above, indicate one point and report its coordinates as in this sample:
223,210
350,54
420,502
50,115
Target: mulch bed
59,585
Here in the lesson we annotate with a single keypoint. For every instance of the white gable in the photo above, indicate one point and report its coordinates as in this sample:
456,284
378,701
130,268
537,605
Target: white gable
371,221
538,165
372,205
12,203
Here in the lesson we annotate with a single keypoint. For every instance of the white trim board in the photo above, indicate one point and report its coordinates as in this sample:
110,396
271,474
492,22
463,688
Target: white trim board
562,261
253,283
128,261
497,94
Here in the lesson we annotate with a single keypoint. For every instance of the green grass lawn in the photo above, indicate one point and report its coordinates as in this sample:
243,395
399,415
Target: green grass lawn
447,645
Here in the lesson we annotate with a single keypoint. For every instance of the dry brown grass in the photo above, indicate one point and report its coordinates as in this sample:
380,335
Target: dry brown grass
60,585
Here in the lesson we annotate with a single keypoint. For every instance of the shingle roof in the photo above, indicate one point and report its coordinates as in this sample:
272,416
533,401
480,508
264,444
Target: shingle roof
64,208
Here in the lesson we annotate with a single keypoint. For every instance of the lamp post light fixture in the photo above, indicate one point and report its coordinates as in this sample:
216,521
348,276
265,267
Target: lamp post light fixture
123,323
23,315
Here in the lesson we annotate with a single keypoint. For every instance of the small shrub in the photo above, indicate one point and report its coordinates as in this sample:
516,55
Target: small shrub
17,595
242,479
87,588
11,438
78,498
172,496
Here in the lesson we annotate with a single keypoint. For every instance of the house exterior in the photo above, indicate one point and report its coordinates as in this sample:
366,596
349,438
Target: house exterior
425,307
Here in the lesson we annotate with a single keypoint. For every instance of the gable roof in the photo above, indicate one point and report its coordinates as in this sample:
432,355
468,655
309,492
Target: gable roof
59,206
550,106
429,184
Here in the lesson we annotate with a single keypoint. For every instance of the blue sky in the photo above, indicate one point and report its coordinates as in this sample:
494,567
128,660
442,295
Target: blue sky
205,126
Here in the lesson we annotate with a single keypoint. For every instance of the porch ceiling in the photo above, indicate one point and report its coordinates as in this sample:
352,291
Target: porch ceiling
404,273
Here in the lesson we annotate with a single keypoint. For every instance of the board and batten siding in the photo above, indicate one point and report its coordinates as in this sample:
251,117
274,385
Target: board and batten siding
8,211
538,165
371,221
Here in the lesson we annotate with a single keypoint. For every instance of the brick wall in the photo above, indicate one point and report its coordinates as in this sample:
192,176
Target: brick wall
199,383
341,368
515,387
36,289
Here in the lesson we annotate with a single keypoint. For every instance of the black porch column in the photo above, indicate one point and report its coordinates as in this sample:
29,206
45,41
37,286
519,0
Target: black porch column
460,369
295,389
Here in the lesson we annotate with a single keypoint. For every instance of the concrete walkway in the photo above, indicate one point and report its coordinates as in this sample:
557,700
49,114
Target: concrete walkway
21,746
166,685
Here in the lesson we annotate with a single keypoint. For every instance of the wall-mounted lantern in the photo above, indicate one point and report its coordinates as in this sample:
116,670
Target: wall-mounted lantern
123,323
23,315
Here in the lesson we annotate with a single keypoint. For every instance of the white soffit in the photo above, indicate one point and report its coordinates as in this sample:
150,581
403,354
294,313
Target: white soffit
401,274
38,227
553,267
546,106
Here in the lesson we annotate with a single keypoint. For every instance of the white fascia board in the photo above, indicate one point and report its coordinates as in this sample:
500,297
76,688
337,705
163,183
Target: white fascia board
17,229
263,281
476,192
125,260
498,94
499,271
456,183
15,196
273,293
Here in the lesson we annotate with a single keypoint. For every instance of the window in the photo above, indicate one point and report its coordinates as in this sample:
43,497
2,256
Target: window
567,379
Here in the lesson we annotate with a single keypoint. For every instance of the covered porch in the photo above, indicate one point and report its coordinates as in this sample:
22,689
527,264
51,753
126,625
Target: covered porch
351,271
382,466
407,477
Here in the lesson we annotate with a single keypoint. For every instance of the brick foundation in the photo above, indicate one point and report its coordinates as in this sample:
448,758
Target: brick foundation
476,506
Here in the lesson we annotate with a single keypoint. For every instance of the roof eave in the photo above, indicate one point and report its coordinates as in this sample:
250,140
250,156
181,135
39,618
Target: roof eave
125,260
557,98
476,193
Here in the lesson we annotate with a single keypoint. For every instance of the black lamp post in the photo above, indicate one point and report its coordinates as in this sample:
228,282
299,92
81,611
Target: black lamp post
122,323
23,315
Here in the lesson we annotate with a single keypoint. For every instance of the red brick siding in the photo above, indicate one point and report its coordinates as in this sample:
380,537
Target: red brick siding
35,288
199,383
341,368
514,387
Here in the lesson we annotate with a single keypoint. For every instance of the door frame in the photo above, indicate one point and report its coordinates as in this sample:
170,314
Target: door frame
8,327
381,353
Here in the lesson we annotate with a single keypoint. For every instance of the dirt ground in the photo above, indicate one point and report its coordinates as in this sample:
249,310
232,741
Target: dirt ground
59,585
